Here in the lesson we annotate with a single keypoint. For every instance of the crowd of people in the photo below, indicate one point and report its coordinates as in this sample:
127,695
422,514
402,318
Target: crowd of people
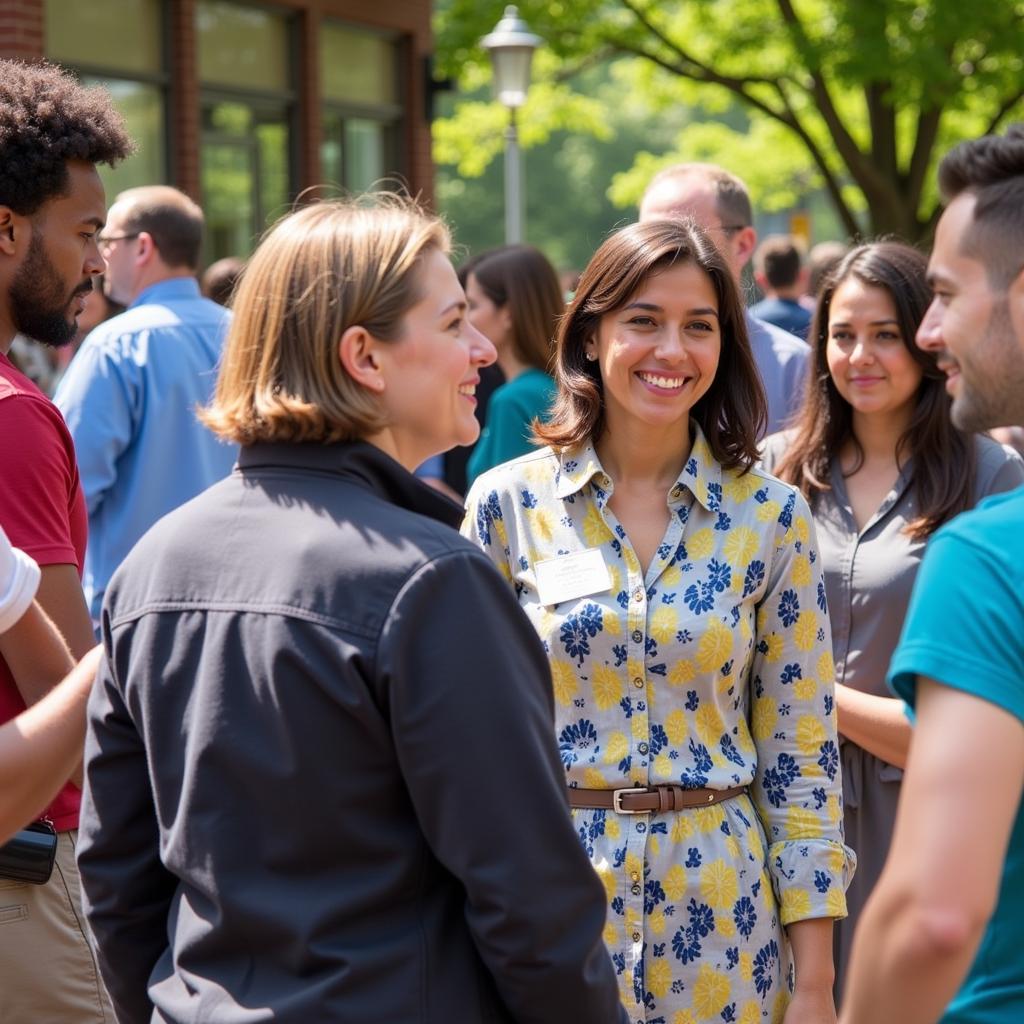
712,712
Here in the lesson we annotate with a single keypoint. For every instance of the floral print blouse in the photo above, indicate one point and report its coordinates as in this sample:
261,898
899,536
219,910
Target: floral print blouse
711,669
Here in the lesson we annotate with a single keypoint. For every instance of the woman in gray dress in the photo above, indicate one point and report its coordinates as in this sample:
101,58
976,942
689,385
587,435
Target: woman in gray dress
874,451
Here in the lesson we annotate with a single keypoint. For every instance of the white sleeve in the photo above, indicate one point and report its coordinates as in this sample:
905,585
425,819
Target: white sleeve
19,580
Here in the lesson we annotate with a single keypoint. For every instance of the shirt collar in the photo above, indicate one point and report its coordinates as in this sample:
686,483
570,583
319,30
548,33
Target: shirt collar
702,474
362,463
167,291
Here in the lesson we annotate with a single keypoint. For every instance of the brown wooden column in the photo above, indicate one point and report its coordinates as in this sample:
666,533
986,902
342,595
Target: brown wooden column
183,100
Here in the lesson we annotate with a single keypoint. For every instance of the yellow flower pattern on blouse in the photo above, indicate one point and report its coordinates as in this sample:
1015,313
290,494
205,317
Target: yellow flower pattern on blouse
714,668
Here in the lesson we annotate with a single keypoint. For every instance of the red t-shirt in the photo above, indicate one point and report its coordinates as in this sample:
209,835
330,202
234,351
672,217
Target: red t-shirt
42,511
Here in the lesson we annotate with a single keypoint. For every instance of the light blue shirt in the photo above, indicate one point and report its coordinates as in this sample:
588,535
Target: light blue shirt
129,398
782,359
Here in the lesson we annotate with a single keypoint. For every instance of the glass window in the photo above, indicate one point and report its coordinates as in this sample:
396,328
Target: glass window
357,66
143,108
240,46
123,35
245,173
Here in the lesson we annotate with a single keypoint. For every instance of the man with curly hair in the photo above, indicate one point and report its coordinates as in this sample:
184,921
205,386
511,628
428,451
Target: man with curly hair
53,133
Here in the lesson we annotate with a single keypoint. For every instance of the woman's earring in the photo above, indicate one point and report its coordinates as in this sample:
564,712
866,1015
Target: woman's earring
591,356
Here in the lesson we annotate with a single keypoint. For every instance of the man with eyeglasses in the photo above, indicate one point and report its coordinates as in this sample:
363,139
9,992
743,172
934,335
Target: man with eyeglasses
718,201
130,395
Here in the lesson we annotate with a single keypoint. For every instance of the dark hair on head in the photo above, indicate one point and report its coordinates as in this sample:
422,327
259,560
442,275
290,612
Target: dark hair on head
821,261
520,278
220,278
778,257
732,413
992,168
169,217
944,457
465,268
46,119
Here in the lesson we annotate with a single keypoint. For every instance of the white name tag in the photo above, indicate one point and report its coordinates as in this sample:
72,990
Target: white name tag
570,576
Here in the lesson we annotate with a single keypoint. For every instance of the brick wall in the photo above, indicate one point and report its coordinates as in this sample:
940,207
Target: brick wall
22,29
22,25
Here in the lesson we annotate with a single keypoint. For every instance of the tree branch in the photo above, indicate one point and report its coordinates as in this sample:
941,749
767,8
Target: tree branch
924,142
832,185
862,169
1004,108
882,120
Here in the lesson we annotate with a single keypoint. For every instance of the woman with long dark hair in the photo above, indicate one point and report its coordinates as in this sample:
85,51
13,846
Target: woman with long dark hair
677,592
875,453
515,300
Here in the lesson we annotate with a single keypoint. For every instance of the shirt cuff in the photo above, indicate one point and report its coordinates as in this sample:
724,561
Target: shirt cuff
810,877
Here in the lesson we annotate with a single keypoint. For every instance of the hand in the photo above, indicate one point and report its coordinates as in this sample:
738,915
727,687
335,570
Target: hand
811,1006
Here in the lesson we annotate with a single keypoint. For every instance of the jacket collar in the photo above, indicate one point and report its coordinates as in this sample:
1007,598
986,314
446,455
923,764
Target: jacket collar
360,463
701,476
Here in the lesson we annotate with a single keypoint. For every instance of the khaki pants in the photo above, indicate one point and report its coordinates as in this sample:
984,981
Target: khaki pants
47,970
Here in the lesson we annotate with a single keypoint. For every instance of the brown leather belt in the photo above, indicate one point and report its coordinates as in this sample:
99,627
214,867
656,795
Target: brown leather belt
650,799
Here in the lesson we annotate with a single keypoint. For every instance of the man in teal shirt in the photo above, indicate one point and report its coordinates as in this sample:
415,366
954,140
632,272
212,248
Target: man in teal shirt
943,935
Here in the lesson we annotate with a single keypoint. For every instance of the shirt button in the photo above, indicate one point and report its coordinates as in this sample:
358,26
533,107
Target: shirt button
638,594
638,637
636,890
635,875
637,936
638,682
641,826
642,747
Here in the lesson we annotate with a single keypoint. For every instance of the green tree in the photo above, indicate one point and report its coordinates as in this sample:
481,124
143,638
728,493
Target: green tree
857,97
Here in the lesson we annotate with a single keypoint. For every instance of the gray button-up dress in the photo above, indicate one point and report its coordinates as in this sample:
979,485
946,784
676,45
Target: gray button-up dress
869,575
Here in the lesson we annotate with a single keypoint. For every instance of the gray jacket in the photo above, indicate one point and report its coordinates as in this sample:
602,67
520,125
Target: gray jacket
321,778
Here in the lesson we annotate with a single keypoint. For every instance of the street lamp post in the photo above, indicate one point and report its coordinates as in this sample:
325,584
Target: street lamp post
511,47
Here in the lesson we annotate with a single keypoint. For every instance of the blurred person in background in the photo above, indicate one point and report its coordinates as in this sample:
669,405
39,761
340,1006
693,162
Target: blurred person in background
220,279
130,395
876,456
821,261
515,300
781,275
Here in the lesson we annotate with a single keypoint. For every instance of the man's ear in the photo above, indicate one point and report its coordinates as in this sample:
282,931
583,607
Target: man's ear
146,251
1015,297
11,225
743,244
360,357
761,280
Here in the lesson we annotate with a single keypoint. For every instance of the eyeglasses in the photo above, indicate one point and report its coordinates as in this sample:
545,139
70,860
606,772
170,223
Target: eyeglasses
107,239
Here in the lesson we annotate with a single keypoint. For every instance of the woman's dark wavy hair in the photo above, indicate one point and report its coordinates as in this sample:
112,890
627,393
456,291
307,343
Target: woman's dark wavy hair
521,278
46,119
944,457
733,412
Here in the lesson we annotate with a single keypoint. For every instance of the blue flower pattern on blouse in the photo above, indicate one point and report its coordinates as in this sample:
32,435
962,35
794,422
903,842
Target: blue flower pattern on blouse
711,667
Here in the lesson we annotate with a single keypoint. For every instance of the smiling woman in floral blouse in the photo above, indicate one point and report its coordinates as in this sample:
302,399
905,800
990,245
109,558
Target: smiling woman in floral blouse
679,597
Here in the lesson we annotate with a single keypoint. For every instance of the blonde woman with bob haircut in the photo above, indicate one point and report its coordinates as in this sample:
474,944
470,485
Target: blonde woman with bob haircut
319,754
677,592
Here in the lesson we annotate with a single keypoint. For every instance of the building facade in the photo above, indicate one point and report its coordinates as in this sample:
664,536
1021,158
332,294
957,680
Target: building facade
247,106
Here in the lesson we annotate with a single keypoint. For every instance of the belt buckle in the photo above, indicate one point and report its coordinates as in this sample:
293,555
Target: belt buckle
618,794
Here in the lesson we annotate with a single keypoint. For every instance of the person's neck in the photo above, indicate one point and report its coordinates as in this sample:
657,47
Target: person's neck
165,274
879,435
635,455
785,294
511,365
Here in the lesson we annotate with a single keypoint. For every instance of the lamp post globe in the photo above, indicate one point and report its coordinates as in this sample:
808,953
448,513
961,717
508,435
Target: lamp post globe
511,46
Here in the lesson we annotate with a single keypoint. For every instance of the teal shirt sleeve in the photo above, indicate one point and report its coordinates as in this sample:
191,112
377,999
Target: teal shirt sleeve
511,411
965,624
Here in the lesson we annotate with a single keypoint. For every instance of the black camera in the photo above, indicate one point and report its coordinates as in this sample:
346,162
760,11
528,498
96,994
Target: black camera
28,856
